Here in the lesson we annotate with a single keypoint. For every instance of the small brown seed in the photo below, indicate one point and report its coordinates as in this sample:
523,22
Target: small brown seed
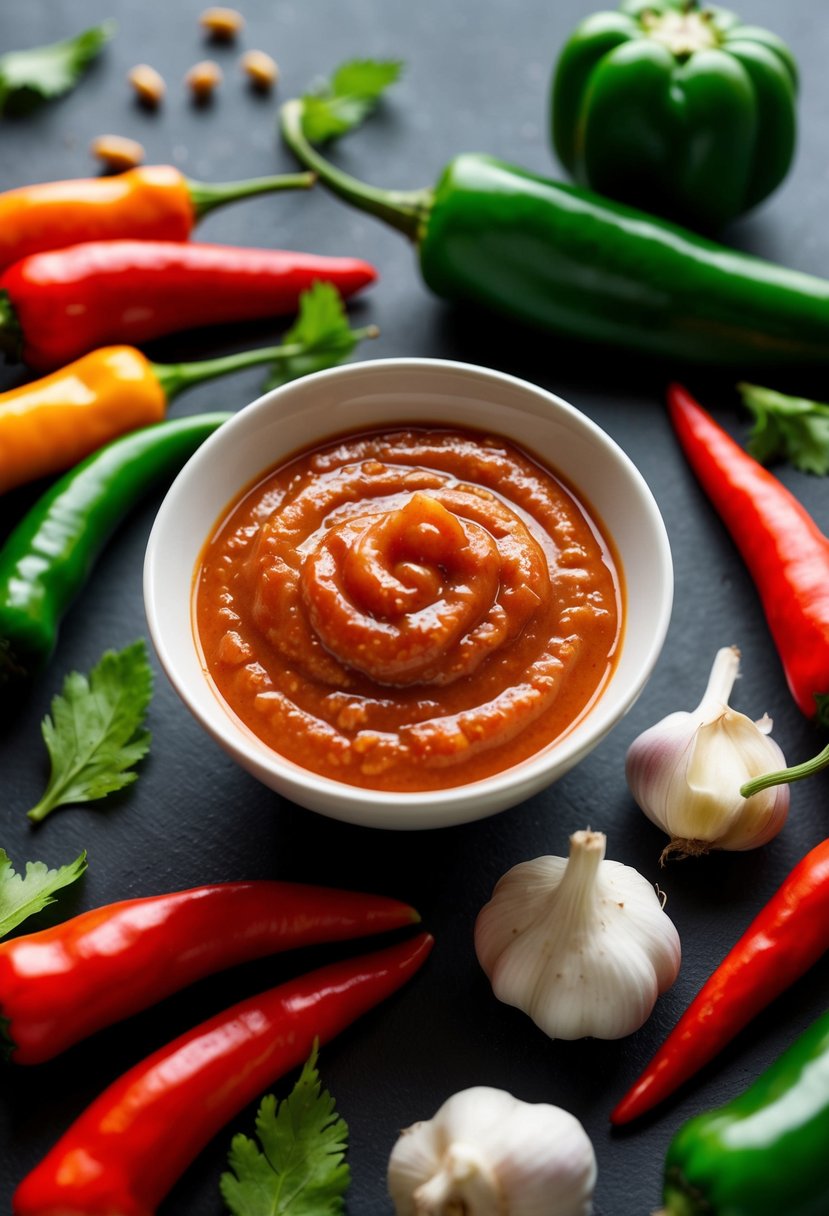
260,69
203,78
223,24
117,152
148,84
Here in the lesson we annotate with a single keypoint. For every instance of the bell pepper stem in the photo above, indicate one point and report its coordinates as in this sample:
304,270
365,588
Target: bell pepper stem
11,337
405,210
175,377
206,196
796,773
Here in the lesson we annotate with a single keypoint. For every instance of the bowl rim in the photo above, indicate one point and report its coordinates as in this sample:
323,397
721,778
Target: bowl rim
237,739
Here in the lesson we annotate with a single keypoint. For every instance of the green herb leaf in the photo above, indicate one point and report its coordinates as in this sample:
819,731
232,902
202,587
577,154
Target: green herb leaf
788,428
35,75
341,103
95,734
22,895
300,1169
319,338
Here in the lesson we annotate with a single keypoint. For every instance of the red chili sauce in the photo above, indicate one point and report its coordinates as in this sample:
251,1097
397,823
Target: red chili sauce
409,610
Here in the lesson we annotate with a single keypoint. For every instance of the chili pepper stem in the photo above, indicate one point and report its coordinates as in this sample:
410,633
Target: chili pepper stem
206,196
405,210
796,773
175,377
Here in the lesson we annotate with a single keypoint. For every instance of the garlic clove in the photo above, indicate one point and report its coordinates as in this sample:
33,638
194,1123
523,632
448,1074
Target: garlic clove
686,771
486,1153
581,945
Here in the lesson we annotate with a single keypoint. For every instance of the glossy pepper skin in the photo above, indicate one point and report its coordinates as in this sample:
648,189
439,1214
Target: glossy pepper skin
61,985
152,202
562,259
61,304
50,554
677,108
785,551
52,423
123,1154
763,1154
784,940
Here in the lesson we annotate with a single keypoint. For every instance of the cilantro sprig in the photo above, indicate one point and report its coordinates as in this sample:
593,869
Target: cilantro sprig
788,428
22,895
42,72
319,338
95,733
298,1167
341,103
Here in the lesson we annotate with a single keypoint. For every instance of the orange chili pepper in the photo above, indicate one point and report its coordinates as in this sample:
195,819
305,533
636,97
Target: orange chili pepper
154,202
50,424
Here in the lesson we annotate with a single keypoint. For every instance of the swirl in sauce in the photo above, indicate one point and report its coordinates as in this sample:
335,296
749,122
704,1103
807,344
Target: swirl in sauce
409,610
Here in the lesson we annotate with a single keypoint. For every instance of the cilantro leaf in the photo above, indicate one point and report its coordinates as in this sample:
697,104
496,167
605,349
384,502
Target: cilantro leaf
42,72
790,428
22,895
299,1169
95,733
341,103
319,338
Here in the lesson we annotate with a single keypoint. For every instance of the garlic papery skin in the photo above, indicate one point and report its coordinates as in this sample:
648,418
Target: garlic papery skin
486,1153
686,772
581,944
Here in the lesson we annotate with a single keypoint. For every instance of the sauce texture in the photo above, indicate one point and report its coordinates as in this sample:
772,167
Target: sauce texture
408,610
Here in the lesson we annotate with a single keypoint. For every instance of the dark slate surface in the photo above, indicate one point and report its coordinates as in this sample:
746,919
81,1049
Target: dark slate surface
477,78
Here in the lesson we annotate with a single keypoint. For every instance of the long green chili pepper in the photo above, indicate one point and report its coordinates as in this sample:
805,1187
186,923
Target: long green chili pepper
50,554
764,1153
569,261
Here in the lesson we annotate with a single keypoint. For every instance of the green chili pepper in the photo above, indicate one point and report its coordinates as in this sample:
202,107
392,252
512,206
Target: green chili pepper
763,1154
50,554
569,261
677,108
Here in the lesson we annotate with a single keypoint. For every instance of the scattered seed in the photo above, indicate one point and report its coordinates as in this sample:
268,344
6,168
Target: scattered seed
260,69
117,152
148,84
203,78
222,24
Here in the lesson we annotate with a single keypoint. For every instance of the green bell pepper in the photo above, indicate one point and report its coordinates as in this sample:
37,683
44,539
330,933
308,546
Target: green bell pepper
678,109
764,1153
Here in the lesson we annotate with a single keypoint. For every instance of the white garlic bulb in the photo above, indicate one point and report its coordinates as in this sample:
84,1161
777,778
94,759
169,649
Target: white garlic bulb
581,944
486,1153
686,772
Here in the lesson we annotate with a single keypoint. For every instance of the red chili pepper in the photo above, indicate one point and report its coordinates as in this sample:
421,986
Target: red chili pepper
790,934
56,306
128,1148
786,553
60,985
152,202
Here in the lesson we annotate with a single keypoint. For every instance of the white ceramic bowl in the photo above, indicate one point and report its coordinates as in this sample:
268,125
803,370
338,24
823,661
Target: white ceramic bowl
393,392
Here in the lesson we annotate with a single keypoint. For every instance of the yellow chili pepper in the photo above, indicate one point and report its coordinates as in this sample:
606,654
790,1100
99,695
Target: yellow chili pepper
51,424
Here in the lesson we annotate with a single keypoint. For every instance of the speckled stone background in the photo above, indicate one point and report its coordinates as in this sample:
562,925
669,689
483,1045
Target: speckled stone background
477,78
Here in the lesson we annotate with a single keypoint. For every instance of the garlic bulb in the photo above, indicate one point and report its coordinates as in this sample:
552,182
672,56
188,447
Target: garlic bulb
486,1153
580,944
686,772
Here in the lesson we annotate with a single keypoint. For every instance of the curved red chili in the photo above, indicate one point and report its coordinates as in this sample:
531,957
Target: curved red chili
57,305
128,1148
60,985
790,934
785,551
